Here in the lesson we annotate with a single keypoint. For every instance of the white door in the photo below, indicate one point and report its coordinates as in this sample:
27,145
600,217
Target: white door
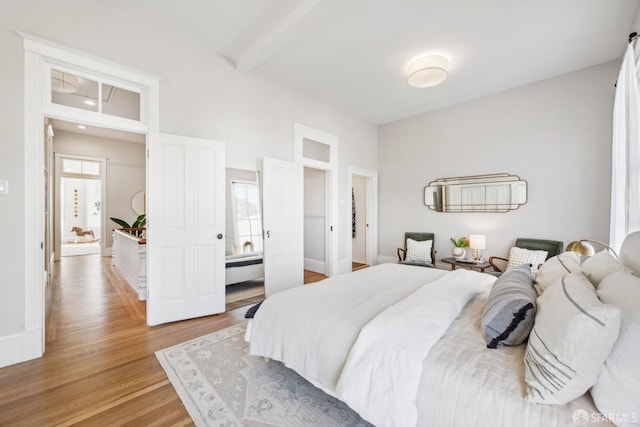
283,219
185,226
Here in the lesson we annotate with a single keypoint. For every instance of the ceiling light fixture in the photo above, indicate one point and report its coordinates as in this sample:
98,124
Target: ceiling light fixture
89,102
63,82
82,127
428,71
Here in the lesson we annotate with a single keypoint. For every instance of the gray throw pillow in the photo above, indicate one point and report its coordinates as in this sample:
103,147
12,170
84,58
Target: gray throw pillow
511,308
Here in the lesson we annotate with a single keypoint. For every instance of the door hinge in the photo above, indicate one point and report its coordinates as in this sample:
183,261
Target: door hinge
331,228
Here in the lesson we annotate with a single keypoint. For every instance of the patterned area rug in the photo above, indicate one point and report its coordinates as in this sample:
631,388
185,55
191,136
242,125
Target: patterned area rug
221,385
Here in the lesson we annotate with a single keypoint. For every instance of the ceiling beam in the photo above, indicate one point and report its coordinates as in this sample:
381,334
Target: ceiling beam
270,43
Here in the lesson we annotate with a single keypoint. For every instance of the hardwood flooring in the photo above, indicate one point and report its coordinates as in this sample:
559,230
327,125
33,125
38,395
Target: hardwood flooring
99,368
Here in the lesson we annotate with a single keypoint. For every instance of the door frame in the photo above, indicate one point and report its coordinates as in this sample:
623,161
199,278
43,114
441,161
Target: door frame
371,189
332,231
39,56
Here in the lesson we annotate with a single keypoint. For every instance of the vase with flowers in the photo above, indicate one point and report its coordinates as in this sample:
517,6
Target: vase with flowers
458,247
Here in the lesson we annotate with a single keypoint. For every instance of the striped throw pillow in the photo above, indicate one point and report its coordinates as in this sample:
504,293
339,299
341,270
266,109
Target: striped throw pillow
419,251
511,308
571,338
558,267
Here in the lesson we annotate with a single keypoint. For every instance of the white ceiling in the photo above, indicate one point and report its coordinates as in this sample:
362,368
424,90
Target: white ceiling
353,54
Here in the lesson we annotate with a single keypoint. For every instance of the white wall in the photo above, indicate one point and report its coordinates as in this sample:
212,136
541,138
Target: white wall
125,171
201,94
555,134
359,248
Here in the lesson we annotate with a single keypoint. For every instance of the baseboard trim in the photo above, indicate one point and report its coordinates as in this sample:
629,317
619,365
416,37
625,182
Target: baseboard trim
314,265
20,347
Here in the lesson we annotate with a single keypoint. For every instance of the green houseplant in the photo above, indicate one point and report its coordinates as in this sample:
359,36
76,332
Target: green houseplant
135,228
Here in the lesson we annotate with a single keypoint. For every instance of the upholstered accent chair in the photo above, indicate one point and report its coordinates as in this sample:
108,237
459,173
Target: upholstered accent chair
552,247
413,254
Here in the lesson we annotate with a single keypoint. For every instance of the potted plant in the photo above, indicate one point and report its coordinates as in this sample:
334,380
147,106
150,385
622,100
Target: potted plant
458,247
136,228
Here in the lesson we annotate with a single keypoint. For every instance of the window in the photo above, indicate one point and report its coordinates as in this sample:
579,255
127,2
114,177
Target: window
71,90
75,167
247,216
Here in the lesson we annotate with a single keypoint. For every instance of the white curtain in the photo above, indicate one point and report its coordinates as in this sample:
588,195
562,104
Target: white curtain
625,171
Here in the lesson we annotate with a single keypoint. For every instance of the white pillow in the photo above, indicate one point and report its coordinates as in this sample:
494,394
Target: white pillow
617,390
519,256
572,336
557,267
419,251
600,265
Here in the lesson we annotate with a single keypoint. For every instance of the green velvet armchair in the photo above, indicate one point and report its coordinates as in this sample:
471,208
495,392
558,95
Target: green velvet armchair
553,248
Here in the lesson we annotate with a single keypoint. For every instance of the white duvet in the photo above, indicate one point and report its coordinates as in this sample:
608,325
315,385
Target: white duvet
401,346
381,376
337,334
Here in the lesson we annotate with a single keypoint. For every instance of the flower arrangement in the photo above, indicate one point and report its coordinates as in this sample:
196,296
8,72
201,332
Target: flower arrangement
461,242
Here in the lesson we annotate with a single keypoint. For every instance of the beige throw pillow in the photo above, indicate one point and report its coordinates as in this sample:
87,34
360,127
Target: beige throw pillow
572,336
519,256
600,265
419,251
557,267
617,390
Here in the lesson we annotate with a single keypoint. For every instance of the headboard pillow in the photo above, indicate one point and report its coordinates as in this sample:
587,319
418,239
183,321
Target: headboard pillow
558,267
519,256
419,251
572,336
600,265
629,252
618,386
511,308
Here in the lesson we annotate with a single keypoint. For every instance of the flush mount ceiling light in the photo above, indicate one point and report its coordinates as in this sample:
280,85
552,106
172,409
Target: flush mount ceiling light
63,82
428,71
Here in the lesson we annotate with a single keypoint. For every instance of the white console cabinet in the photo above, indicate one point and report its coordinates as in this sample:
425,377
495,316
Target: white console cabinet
130,259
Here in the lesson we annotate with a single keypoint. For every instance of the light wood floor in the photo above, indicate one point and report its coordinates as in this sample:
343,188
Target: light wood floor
99,367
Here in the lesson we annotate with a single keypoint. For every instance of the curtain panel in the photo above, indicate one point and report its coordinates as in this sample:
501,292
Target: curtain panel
625,156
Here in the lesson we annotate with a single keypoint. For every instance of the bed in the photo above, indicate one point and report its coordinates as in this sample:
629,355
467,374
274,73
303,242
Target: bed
243,267
402,345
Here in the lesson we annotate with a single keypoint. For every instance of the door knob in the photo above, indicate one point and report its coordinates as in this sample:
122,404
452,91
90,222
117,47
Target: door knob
219,236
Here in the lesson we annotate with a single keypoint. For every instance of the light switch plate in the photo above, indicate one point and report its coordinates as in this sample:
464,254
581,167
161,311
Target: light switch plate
4,186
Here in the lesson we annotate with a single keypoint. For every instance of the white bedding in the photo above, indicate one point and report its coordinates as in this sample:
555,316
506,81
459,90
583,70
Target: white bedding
381,377
462,382
466,384
328,316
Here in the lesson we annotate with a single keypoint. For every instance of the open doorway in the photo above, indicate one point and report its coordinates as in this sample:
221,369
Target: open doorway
80,201
359,222
363,185
316,223
244,261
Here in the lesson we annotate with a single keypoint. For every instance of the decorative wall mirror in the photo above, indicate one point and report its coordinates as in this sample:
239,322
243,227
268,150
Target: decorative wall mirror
500,192
139,202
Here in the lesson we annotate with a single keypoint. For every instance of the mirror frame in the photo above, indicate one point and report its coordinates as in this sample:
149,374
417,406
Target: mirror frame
139,198
480,183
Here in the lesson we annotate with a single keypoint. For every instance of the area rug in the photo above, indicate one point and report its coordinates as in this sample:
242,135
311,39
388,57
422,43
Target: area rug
220,384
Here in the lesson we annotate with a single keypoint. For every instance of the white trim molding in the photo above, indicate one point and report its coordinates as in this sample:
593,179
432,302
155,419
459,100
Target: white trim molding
300,133
39,54
20,347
